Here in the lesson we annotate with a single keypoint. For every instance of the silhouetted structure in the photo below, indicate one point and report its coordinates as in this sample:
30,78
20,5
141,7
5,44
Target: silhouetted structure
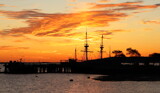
111,66
155,55
75,54
86,47
133,52
101,48
118,53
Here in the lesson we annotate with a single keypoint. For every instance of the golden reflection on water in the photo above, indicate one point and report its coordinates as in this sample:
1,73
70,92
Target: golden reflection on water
60,83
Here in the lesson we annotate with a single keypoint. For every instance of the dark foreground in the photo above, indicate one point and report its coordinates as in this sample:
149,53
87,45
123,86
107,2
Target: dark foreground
132,68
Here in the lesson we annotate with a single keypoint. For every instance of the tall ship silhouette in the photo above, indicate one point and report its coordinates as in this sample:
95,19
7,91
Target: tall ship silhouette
109,66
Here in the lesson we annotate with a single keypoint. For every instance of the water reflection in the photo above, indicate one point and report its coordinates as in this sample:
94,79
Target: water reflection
60,83
128,77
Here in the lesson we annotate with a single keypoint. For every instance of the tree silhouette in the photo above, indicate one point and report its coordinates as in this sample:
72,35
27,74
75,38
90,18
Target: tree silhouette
133,52
154,55
118,53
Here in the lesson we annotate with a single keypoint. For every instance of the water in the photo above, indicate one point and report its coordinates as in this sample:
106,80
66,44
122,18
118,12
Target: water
60,83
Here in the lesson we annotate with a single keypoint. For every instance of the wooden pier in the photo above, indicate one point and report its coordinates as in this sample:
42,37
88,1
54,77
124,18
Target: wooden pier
119,65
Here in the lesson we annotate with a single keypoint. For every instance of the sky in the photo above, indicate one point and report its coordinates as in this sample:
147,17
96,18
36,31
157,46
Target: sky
50,30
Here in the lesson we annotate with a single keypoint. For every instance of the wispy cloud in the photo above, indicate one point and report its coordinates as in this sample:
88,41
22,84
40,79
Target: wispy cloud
64,24
125,6
72,0
53,24
25,14
153,21
109,32
103,32
12,48
103,1
2,5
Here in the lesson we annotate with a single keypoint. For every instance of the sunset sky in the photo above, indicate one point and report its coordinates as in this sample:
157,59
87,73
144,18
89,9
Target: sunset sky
50,30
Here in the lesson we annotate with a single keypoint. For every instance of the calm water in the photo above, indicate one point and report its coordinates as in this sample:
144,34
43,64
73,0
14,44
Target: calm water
60,83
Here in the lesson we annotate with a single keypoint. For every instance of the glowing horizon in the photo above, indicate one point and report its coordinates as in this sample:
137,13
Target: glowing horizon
51,30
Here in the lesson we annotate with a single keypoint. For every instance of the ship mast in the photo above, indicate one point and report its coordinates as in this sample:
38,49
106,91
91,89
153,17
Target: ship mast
101,48
86,48
109,51
75,54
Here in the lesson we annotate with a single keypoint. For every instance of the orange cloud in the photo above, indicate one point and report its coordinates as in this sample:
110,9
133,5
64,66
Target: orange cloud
98,6
12,48
64,24
108,32
154,22
2,5
103,1
72,0
25,14
125,6
103,32
60,24
119,30
135,7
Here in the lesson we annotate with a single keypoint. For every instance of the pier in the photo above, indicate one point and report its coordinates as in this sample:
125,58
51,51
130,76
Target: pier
113,65
36,67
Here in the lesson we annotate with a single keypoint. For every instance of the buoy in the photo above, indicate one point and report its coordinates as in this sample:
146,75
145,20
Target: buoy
71,80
